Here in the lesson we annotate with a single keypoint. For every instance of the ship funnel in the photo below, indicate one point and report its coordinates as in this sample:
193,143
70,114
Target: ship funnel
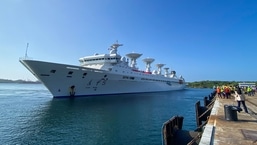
173,74
133,57
148,62
159,66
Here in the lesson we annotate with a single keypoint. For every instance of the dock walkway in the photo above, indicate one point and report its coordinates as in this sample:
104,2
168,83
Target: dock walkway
219,131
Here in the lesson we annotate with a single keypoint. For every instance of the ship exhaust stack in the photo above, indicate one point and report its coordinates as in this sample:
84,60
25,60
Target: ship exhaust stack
173,74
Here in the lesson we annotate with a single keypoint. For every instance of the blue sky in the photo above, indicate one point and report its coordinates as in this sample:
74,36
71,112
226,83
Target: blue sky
201,39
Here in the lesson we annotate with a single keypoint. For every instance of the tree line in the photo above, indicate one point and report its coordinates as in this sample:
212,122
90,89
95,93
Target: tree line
211,84
18,81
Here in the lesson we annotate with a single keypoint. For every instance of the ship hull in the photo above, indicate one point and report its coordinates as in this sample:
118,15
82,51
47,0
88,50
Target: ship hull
64,80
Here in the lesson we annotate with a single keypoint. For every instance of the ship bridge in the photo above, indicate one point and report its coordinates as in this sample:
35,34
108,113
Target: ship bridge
100,61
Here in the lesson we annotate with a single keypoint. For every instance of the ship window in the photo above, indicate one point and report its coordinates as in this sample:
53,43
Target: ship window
53,71
70,72
125,77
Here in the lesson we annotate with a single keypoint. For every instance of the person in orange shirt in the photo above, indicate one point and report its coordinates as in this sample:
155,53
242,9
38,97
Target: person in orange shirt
227,92
218,92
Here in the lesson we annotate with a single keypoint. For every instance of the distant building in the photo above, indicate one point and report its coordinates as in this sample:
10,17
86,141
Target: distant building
247,84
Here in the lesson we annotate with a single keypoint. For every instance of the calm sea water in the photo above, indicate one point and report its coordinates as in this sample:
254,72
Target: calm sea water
29,115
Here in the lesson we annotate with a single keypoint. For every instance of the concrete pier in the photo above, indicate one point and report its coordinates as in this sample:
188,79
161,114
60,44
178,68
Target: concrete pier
220,131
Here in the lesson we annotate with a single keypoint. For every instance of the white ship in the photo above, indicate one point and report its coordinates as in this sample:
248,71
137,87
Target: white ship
103,74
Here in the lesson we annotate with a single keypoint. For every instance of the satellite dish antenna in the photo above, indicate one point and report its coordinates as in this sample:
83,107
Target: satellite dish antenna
159,66
133,56
148,62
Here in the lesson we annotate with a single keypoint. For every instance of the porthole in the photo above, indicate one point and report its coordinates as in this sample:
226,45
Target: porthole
53,71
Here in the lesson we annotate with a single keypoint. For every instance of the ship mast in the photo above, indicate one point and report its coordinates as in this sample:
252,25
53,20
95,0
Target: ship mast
113,48
26,53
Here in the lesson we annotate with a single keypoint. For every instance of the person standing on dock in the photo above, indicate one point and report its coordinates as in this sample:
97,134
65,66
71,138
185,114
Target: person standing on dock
240,98
222,91
227,92
249,91
218,91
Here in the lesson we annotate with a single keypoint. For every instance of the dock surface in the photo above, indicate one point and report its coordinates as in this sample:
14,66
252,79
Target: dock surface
220,131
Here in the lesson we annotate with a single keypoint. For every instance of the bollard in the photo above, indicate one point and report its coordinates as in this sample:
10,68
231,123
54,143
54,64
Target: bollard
180,121
231,112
